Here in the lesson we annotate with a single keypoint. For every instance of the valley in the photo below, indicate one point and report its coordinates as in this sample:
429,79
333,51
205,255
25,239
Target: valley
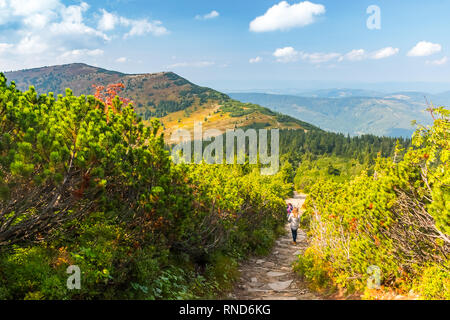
344,111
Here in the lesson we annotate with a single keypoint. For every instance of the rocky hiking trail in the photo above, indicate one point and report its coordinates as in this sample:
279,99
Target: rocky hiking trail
272,277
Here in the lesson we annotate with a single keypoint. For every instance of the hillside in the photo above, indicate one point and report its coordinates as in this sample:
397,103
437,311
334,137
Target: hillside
178,102
345,112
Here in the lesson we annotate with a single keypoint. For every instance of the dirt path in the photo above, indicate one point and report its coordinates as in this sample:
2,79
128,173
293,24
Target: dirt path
271,277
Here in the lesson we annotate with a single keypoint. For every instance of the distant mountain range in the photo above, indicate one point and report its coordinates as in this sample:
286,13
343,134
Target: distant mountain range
353,112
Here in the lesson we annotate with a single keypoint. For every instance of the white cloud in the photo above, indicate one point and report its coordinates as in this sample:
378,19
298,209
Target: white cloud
28,8
438,62
82,52
196,64
286,54
284,16
33,13
108,21
361,54
48,32
121,60
5,46
30,45
72,23
354,55
289,54
424,48
255,60
320,57
213,14
384,53
142,27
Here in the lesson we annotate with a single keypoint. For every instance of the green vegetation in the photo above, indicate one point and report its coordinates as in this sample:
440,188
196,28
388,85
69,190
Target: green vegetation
332,168
397,218
84,183
238,109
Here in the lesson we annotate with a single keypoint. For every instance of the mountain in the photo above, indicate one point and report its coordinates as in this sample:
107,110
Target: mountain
341,111
164,92
165,95
441,98
341,93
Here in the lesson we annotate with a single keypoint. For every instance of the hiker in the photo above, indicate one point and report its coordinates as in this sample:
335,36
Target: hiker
290,207
294,221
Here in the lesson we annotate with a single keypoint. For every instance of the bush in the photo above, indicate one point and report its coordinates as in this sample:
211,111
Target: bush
84,182
396,219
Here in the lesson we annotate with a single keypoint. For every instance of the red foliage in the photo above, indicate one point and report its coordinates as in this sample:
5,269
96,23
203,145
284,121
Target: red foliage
107,95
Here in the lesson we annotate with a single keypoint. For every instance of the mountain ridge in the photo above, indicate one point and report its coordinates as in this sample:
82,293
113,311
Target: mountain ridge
387,115
178,102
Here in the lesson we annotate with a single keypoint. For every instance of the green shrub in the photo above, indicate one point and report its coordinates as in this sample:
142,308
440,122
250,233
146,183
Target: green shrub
84,182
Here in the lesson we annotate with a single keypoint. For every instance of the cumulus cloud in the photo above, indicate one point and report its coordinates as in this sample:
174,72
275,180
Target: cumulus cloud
72,23
108,21
213,14
289,54
354,55
255,60
142,27
286,54
361,54
384,53
31,44
424,48
438,62
27,8
284,16
11,10
50,32
320,57
77,53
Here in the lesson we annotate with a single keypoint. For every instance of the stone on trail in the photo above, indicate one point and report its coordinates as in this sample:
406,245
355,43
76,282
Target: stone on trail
254,279
275,274
282,285
296,253
259,261
279,298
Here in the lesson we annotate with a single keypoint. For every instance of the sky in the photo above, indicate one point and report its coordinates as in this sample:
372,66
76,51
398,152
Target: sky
233,45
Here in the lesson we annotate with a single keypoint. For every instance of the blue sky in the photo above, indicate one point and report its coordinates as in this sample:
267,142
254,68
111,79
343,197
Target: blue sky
236,45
